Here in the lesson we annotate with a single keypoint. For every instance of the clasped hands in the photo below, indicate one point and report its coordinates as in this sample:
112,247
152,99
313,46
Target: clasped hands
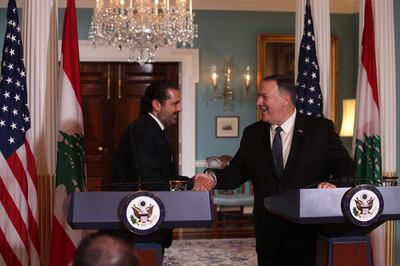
203,182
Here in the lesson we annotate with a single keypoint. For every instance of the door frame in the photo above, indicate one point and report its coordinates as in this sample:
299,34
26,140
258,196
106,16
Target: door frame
188,60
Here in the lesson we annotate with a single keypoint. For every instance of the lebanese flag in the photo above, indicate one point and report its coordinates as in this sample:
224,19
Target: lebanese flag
367,147
367,154
70,173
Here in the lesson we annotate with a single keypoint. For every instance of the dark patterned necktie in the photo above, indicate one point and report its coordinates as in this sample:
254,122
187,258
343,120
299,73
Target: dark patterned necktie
166,135
277,152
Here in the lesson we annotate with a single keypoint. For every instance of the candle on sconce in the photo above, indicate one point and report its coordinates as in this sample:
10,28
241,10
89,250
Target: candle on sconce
190,7
130,4
156,7
99,4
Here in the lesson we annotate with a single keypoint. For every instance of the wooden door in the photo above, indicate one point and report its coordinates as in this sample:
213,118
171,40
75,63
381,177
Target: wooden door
97,116
111,99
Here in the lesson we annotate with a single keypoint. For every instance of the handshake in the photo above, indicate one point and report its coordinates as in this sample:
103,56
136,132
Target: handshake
207,182
204,181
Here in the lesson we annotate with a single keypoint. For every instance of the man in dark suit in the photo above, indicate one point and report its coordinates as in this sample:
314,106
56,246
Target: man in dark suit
307,151
144,151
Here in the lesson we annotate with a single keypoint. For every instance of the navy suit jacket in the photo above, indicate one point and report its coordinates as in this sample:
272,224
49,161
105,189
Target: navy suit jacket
316,153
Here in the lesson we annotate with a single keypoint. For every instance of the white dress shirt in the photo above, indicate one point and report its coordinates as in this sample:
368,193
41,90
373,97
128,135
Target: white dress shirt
157,120
286,135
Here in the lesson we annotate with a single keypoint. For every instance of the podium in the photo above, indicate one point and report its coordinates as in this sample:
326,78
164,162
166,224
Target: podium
99,210
322,208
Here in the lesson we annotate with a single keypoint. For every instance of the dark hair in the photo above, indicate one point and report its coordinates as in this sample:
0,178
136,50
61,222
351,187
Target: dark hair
93,251
157,90
285,84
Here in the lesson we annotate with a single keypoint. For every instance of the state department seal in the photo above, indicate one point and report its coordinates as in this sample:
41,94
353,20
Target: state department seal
142,212
362,205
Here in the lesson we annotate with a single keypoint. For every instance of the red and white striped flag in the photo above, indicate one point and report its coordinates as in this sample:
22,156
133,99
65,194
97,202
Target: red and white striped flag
367,150
19,238
70,174
367,154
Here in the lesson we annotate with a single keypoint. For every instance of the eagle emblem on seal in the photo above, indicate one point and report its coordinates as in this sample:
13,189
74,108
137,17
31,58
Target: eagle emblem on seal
365,205
142,213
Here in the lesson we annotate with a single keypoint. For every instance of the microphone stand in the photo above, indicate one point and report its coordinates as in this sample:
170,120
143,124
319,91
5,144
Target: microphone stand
132,139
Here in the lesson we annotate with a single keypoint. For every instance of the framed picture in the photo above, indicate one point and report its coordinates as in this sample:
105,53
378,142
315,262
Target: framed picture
276,54
227,126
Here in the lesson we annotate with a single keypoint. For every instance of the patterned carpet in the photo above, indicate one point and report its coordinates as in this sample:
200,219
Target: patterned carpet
205,252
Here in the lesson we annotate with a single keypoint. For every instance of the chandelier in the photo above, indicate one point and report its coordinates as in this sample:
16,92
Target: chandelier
143,26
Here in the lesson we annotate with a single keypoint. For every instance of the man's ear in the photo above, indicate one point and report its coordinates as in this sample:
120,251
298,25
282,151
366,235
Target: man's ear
156,105
286,99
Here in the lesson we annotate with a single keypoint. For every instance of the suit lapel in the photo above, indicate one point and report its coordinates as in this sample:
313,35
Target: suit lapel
166,157
296,143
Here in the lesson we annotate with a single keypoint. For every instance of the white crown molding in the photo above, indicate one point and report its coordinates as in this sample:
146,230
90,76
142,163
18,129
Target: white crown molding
337,6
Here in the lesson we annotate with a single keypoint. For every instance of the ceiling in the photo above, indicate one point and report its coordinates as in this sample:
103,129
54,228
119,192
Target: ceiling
337,6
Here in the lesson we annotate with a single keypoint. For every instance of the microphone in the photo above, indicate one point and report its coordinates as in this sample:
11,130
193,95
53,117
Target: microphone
341,182
153,186
157,185
133,186
132,139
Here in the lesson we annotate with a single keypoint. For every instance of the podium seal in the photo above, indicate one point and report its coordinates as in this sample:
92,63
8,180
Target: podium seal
362,205
142,212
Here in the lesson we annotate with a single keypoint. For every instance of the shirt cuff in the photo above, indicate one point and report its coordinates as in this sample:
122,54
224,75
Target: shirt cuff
212,174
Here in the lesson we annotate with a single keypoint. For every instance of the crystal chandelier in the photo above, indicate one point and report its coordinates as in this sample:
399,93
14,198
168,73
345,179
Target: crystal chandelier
143,26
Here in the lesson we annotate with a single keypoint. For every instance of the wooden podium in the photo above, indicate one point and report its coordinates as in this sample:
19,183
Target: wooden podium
339,242
99,210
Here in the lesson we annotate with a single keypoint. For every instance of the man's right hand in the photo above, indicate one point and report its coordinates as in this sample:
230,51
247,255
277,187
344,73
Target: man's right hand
203,181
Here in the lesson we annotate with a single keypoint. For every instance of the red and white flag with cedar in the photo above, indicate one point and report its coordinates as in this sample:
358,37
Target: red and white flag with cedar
19,238
70,173
367,154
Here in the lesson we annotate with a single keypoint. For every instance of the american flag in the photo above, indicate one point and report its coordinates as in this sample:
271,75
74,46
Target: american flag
309,96
19,240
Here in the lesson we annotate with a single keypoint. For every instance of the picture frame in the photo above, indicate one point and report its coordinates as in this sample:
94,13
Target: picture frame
227,126
276,54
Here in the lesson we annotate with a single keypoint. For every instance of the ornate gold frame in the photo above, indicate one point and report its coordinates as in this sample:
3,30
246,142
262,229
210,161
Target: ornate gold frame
262,69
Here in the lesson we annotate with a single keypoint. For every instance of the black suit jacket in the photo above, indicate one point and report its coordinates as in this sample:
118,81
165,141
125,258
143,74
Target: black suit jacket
316,153
143,150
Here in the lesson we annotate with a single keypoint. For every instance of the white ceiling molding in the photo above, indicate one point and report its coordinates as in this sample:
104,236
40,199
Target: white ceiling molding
337,6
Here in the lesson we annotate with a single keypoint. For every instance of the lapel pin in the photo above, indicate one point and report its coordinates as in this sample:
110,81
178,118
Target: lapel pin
300,131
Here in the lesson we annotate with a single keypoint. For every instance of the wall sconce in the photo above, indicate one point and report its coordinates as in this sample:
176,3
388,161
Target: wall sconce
349,109
228,94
